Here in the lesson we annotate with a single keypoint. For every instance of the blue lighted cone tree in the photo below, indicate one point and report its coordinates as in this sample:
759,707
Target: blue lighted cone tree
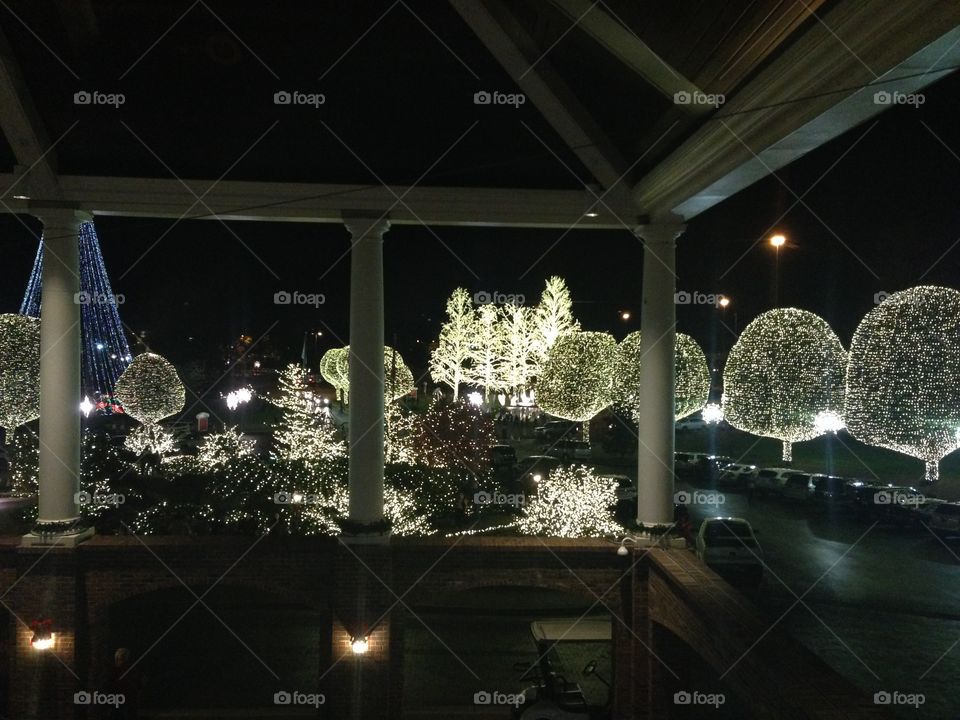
691,376
786,369
576,381
903,375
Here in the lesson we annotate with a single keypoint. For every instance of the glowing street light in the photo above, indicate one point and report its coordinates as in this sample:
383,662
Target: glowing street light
624,315
723,301
778,240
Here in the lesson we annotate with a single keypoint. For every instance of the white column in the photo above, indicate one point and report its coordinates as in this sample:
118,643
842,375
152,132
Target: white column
657,350
366,368
60,372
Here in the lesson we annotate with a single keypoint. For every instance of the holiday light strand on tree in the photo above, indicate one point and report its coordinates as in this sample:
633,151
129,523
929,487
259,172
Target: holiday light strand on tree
903,375
19,371
150,389
302,434
333,369
450,358
577,379
552,317
397,377
691,376
517,338
218,449
572,502
785,369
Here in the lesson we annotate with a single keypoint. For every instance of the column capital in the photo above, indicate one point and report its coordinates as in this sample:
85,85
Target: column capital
665,231
365,224
64,217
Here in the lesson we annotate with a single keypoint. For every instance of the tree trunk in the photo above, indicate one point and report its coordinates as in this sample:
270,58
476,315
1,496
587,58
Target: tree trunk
932,473
787,452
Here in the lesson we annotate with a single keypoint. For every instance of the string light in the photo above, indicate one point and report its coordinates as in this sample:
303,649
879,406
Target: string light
150,389
713,413
302,434
218,449
786,367
449,360
19,370
571,502
552,318
903,377
691,375
577,379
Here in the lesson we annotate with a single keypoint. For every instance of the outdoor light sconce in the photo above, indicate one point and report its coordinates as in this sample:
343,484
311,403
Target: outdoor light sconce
43,635
360,645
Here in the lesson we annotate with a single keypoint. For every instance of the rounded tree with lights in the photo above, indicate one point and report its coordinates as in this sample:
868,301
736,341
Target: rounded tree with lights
691,373
785,370
397,377
150,389
333,368
576,381
903,375
19,371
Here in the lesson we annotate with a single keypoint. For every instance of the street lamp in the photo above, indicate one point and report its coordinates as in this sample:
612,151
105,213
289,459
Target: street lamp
777,241
624,315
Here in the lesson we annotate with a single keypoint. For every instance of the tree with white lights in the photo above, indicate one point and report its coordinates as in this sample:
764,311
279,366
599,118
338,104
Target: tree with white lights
577,379
332,366
552,318
449,359
572,502
516,347
150,389
19,371
302,434
903,375
691,376
485,367
786,368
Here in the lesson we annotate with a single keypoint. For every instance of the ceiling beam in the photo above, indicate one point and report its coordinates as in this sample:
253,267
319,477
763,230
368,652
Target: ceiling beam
502,33
23,129
806,97
631,51
306,202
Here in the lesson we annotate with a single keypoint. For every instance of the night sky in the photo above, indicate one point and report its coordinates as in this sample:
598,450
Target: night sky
883,219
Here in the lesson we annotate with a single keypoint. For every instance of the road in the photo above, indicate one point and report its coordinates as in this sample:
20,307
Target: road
880,604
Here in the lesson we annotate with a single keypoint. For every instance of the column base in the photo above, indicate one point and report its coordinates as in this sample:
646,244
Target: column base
356,533
58,534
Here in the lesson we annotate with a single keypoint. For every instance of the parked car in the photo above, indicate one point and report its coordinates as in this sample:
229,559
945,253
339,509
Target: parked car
569,450
945,519
730,544
707,470
798,486
888,504
556,429
690,423
535,469
686,462
830,490
503,458
737,476
770,481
